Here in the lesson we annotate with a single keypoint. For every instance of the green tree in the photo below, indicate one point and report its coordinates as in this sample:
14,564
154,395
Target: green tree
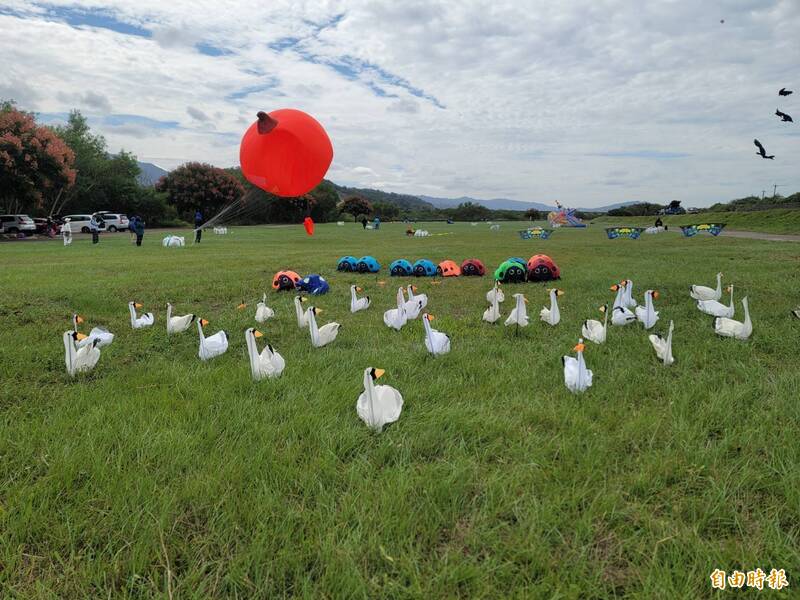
534,215
356,206
35,164
104,181
386,211
199,186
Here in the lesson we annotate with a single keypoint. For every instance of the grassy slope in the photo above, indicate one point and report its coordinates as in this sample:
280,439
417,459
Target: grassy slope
157,473
768,221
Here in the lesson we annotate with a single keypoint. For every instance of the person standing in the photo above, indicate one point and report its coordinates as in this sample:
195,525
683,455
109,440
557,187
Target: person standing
364,222
198,226
66,232
139,230
132,228
94,227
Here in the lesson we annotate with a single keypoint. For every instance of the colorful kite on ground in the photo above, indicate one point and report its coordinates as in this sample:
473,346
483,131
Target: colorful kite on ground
619,232
692,230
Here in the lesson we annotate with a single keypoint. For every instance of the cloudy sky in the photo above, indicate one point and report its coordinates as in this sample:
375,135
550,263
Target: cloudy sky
585,101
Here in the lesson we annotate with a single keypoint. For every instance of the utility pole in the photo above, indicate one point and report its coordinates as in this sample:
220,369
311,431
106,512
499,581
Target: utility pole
775,189
762,194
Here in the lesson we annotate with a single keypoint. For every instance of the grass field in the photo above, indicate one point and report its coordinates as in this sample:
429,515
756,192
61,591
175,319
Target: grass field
157,475
783,220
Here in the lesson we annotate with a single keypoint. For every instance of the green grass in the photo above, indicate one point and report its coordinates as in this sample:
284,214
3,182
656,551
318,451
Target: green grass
159,475
784,220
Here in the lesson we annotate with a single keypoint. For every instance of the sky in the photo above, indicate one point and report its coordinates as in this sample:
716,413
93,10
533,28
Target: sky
588,102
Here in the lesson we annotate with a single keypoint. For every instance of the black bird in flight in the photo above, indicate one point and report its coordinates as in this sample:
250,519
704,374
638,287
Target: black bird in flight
763,152
784,117
784,92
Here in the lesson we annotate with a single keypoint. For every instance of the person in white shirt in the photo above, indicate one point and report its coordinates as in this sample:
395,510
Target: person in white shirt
94,227
66,232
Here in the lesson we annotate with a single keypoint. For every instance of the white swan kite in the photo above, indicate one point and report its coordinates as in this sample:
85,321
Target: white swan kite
140,322
495,293
263,312
576,376
702,292
716,308
320,336
378,405
178,324
414,297
663,346
103,336
552,315
519,314
594,330
647,314
628,299
213,345
356,303
492,313
266,363
396,317
302,316
740,330
79,360
435,341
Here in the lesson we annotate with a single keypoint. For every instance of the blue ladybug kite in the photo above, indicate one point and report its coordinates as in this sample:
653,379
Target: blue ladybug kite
347,263
401,268
424,268
368,264
313,284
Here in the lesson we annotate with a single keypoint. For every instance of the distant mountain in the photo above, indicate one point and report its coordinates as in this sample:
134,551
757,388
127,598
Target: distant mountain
149,174
506,204
494,203
402,201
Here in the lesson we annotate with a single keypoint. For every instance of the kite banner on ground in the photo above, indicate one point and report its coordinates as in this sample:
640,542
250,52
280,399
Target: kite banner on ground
535,233
692,230
628,232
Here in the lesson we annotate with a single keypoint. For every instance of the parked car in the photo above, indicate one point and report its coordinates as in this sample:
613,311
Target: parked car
41,225
114,221
81,223
17,224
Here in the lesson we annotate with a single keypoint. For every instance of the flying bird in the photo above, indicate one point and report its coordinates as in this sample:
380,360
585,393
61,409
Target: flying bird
784,92
784,117
763,152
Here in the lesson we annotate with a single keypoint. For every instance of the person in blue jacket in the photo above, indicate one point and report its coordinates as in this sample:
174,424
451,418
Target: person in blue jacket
94,227
198,226
139,228
132,228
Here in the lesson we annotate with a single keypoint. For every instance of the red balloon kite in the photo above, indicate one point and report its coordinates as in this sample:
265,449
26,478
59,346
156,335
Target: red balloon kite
308,223
285,152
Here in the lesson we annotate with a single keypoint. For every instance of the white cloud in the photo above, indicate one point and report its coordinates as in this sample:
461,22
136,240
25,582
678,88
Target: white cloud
586,101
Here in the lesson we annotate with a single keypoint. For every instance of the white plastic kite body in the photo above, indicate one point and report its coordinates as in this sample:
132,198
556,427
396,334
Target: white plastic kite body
320,336
436,342
356,303
79,360
519,314
576,376
213,345
663,346
735,329
263,312
140,322
178,324
552,315
264,364
378,405
716,308
702,292
647,314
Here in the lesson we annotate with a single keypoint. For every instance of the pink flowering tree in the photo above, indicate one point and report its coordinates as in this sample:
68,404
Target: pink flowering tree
201,186
35,164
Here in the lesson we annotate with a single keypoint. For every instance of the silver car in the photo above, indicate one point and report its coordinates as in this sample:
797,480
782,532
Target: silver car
17,224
